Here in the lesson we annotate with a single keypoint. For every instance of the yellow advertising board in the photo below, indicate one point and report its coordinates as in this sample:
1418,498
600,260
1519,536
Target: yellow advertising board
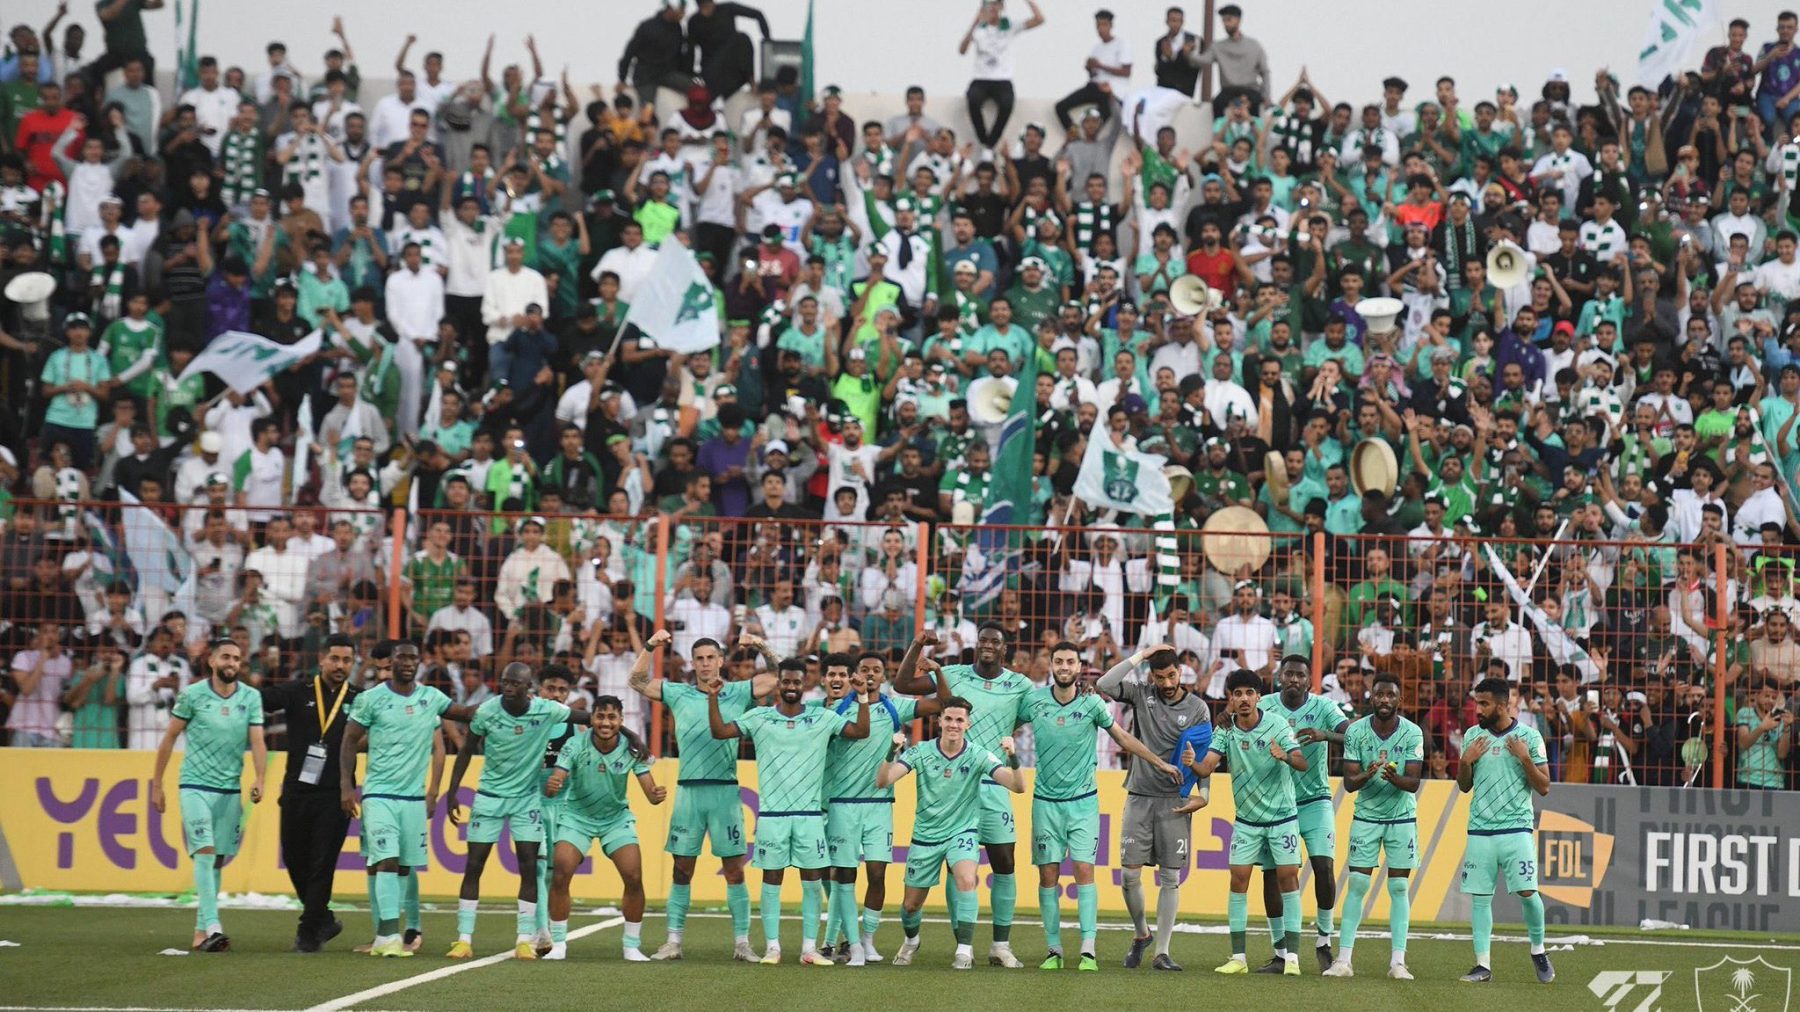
81,821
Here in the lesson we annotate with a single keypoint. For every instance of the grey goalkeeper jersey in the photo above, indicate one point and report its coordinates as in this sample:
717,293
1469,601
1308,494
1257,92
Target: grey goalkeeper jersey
1158,724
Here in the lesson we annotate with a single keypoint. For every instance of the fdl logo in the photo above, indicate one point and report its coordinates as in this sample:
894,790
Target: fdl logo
1742,985
1572,858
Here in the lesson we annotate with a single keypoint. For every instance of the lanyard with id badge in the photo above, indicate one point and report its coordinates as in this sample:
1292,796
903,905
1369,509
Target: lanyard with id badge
313,766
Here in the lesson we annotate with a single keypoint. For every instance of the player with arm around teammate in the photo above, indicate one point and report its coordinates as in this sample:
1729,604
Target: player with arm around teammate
1384,758
1065,805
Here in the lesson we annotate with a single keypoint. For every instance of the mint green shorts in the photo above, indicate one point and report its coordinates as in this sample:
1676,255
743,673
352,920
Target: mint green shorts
790,841
706,812
1398,838
524,814
394,828
1273,846
1318,831
925,861
1491,856
858,831
1065,830
211,818
996,815
612,833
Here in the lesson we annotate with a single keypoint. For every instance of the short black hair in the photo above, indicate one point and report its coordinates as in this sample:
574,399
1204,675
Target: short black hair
1244,678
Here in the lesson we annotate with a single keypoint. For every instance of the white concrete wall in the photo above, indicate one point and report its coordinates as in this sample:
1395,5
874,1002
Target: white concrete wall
882,46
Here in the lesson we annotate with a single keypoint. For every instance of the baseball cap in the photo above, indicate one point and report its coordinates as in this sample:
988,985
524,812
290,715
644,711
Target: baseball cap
539,521
1037,262
596,355
858,354
776,446
725,390
217,478
1134,404
211,442
77,320
602,197
616,438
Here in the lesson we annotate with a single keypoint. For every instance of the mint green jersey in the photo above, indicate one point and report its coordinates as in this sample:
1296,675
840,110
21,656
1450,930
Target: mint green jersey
514,745
790,756
949,788
996,701
400,730
1065,733
1261,786
1378,800
218,732
1501,799
1318,713
851,763
597,780
705,759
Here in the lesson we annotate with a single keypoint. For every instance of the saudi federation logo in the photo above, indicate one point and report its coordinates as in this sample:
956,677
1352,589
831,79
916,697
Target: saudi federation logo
1742,985
1119,480
695,302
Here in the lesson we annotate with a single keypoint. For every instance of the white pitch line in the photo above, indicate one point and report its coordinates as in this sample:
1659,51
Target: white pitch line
1592,941
382,990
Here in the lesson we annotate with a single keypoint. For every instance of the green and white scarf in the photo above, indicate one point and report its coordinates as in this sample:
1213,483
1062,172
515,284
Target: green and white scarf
535,123
241,156
109,303
429,256
1091,219
308,164
55,199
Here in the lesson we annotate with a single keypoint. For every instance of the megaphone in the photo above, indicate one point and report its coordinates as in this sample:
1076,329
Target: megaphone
1506,265
31,293
1380,313
990,398
1190,296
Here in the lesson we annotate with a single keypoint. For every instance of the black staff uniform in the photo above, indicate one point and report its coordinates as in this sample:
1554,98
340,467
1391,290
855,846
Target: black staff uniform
313,825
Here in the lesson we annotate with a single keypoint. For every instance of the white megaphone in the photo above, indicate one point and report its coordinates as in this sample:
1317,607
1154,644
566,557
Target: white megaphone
990,398
1506,266
1190,296
31,293
1380,313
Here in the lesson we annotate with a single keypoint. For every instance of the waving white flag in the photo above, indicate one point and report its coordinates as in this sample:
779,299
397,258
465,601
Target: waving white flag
1676,26
1111,478
247,361
676,305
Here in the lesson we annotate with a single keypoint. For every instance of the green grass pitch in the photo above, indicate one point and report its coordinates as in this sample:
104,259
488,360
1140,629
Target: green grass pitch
108,958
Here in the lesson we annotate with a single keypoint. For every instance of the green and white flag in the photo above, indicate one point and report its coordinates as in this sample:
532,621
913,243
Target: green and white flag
676,304
1676,27
1125,480
246,361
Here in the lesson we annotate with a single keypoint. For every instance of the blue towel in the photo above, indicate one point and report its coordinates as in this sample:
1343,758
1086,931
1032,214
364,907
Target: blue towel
1200,736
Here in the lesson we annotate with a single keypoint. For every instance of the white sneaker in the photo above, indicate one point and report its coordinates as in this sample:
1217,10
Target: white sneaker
635,956
813,957
963,961
1339,968
905,956
743,953
771,956
868,947
1001,954
857,956
1398,971
557,950
669,950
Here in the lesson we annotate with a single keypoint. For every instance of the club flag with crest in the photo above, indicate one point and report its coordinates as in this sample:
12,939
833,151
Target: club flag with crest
246,361
1133,482
998,546
676,304
1676,27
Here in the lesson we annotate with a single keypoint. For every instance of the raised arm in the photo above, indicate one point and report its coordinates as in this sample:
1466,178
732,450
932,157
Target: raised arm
716,720
640,680
1008,776
891,770
908,680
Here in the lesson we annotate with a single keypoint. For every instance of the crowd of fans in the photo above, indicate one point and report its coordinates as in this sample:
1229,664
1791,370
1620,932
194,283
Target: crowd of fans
1595,462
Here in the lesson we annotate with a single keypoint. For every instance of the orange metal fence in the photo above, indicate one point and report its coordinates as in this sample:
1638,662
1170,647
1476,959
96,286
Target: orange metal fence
1638,660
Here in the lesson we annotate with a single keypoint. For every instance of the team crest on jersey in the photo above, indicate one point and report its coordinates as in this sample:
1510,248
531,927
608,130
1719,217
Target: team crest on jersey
518,729
1060,721
949,772
1243,745
225,709
790,725
409,710
1181,720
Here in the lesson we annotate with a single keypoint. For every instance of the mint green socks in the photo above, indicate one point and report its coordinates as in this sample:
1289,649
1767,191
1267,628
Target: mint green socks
1050,913
771,915
1354,893
1399,913
206,892
1087,907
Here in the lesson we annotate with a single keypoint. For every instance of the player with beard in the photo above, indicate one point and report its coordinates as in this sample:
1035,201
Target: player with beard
859,816
1318,724
1384,758
792,741
1001,692
399,721
1503,762
1065,805
512,731
1164,714
221,719
708,807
